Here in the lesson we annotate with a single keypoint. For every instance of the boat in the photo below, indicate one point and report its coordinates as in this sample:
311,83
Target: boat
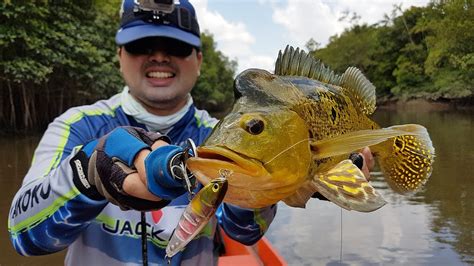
261,253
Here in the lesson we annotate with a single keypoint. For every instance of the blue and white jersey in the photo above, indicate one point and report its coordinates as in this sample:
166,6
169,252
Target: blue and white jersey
49,213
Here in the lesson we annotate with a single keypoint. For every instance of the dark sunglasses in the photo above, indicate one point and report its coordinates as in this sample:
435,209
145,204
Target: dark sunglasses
148,46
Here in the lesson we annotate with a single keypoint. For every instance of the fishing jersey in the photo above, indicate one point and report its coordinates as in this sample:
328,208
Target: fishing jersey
49,213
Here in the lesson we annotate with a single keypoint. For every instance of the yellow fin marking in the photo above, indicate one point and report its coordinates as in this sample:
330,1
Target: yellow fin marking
357,194
351,189
342,178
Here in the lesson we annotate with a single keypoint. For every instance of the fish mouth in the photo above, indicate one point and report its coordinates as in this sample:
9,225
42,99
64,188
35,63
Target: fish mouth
228,157
212,160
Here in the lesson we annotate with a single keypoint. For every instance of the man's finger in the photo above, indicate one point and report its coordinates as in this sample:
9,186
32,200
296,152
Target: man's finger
158,144
134,186
369,162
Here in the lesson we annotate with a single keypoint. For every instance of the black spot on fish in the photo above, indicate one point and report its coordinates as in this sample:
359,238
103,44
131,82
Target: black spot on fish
333,114
399,143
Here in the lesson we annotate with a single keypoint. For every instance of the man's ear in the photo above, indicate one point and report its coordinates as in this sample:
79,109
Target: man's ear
199,58
119,55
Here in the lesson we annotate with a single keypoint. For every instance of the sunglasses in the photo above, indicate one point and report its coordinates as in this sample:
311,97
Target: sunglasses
149,46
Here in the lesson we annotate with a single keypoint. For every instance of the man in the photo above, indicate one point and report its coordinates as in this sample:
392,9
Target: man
98,166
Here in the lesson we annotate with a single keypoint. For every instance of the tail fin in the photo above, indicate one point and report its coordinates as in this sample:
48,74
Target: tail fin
406,160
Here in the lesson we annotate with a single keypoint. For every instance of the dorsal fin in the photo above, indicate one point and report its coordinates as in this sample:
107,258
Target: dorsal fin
299,63
360,88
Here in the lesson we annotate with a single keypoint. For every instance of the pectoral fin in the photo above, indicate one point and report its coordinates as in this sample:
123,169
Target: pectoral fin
352,141
346,186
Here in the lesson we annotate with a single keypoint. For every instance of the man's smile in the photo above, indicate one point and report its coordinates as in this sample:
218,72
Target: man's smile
159,74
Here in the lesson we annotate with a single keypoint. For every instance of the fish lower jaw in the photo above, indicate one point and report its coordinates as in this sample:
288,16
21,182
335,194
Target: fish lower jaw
205,175
212,168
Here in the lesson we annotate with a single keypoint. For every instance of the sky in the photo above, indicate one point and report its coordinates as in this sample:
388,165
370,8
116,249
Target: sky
252,32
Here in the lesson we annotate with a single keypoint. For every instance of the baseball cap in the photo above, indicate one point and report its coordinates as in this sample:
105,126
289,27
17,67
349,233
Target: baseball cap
136,24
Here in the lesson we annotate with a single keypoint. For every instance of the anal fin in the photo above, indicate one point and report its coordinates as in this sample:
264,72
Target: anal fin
346,186
302,195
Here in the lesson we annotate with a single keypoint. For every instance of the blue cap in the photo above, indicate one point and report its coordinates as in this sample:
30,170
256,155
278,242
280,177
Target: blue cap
136,24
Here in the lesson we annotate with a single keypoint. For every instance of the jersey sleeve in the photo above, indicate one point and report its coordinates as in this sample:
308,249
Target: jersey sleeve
246,226
49,211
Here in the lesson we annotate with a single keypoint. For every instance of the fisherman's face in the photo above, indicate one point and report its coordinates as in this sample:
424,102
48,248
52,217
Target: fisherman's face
161,77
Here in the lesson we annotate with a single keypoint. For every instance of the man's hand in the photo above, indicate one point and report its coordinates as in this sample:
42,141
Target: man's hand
154,177
369,162
136,184
117,169
364,160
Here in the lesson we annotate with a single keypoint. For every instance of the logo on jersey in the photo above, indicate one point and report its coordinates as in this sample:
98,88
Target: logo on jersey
31,198
156,215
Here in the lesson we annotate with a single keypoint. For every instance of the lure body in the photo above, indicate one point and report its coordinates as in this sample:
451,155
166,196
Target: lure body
196,215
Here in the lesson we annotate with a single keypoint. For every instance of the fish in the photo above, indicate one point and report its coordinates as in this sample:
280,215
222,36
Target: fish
290,134
197,214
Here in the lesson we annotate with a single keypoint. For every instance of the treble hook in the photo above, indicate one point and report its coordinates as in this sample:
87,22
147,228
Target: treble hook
179,169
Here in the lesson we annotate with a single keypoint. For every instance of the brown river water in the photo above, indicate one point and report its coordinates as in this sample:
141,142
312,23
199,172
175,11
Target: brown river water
435,226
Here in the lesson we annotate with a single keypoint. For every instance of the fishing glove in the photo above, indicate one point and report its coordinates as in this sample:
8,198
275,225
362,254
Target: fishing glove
102,165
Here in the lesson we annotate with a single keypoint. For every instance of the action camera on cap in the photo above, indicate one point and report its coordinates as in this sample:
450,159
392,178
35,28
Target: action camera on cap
165,6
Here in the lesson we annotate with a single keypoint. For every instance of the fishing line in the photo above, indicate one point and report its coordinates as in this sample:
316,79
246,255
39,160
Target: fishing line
285,150
340,249
144,239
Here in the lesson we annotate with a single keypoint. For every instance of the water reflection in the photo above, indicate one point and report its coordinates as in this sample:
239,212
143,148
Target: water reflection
432,227
451,189
15,158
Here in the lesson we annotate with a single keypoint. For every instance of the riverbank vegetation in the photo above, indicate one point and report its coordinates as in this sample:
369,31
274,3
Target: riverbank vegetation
59,54
422,52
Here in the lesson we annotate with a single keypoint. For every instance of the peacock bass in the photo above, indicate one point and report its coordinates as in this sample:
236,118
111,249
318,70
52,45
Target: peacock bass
290,134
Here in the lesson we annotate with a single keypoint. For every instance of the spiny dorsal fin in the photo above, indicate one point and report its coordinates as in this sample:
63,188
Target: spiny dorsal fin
299,63
360,88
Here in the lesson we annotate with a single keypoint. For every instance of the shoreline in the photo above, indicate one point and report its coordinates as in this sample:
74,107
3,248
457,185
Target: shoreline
423,105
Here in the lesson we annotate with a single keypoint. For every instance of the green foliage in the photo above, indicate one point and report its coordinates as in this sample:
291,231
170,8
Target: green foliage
451,59
58,42
53,54
420,52
409,71
351,48
58,54
213,90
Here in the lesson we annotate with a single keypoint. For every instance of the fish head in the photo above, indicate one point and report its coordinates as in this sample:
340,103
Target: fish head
261,146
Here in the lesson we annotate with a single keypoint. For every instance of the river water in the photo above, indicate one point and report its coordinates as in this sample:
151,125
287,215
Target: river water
435,226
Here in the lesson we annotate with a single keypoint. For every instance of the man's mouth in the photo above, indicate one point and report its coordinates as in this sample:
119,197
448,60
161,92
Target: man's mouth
160,75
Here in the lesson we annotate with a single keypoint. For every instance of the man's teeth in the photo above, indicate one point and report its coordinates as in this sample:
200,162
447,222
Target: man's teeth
160,75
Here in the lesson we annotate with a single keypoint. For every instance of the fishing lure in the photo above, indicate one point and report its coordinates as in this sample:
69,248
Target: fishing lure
196,215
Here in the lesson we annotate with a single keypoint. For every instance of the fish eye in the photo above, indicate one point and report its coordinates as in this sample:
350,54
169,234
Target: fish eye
215,188
254,126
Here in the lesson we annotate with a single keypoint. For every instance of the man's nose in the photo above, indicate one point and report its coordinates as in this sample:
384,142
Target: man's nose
159,56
